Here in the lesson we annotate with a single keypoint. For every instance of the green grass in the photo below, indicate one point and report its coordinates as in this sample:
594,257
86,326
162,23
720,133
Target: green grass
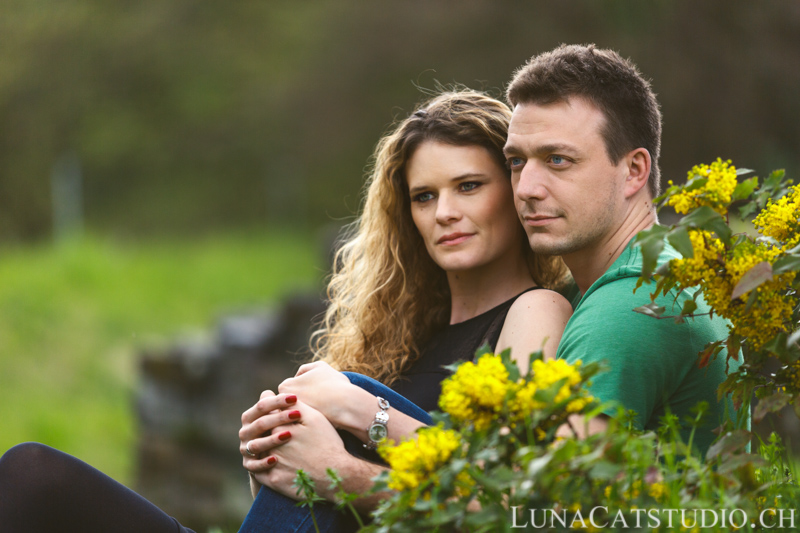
73,316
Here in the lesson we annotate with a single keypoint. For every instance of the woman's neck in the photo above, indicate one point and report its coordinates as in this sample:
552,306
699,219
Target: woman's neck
473,292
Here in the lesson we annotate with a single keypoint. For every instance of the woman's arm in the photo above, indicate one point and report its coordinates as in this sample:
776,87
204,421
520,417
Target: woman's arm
345,405
534,322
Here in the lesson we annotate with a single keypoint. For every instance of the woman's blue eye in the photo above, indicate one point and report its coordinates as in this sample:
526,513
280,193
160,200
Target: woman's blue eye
468,186
422,197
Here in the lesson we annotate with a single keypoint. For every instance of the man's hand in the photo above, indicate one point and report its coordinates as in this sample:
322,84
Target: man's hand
314,447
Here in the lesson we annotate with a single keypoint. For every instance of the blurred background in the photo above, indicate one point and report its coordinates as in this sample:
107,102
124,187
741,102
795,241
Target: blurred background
164,163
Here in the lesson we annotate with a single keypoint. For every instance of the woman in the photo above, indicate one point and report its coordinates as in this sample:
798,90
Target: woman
437,265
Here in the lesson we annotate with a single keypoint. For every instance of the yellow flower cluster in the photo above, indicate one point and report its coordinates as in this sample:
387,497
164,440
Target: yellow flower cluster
416,460
779,220
545,375
708,251
657,490
476,391
718,278
716,193
480,392
792,374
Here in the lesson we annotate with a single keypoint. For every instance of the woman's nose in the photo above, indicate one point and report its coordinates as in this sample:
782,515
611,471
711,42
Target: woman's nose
447,209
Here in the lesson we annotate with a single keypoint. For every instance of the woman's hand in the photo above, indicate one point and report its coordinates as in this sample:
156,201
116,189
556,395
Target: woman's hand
325,389
257,438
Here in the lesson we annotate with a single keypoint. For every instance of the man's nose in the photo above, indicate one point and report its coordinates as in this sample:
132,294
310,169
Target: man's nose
529,183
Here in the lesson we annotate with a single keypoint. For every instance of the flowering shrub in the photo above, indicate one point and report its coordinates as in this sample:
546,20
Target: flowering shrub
514,469
505,454
749,278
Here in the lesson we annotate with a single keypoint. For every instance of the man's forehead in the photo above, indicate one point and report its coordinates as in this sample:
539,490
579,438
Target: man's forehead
570,118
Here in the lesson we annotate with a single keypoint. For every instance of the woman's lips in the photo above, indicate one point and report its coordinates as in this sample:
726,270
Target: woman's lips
451,239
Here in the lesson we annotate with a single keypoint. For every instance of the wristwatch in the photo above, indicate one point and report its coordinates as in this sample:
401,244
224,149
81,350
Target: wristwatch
376,432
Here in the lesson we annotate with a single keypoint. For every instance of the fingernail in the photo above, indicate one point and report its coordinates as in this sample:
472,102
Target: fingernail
294,415
285,435
291,399
271,461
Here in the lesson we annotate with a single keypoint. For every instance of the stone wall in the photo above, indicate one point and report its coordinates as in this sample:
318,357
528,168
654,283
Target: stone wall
190,400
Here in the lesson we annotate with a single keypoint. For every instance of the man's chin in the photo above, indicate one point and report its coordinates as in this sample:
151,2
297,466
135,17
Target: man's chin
547,245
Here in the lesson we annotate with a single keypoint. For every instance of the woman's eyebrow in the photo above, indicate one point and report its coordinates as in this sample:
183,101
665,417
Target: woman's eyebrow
460,177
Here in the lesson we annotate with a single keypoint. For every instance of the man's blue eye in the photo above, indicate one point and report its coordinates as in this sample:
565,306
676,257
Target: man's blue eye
468,186
557,159
514,162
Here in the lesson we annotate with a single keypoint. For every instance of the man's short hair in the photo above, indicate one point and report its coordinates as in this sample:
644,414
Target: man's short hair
613,84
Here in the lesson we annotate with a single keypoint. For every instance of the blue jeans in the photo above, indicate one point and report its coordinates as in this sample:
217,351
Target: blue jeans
272,511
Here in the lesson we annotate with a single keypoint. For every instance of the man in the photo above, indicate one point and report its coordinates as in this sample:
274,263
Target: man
583,151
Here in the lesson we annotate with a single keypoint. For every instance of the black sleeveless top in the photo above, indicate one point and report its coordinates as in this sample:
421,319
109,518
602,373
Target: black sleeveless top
421,383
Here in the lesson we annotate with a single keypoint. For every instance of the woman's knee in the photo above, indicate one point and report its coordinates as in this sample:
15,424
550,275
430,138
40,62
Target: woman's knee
27,454
28,465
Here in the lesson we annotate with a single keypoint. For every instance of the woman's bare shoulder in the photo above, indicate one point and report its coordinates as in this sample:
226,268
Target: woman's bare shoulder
541,302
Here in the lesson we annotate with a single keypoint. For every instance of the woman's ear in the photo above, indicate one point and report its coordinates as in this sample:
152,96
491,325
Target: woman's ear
637,163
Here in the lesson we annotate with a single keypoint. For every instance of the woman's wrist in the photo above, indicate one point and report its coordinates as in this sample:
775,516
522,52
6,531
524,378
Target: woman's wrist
357,413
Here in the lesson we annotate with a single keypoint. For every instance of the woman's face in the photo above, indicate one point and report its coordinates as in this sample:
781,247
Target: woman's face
463,206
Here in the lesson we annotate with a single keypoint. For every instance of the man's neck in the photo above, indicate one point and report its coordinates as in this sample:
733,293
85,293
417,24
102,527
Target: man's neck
591,262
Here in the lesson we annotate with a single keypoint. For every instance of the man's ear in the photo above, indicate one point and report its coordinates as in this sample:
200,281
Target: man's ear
637,163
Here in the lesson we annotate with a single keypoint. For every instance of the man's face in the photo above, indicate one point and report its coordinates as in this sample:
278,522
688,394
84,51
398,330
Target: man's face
567,192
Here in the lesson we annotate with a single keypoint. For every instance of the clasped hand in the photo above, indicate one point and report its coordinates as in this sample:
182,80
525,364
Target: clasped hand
285,432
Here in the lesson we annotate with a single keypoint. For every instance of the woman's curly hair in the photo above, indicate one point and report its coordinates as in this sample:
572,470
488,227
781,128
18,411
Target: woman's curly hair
386,295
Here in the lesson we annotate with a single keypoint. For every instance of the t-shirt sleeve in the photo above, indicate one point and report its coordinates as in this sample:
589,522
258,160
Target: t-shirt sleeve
646,358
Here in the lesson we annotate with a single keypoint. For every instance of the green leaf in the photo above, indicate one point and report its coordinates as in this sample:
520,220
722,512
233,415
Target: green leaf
732,344
751,300
744,189
651,309
510,364
743,171
754,277
770,404
777,344
706,218
711,349
689,307
483,350
679,238
735,440
696,182
651,242
775,178
787,263
794,338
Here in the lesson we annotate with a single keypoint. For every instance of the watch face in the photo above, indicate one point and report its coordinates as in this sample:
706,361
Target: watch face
377,432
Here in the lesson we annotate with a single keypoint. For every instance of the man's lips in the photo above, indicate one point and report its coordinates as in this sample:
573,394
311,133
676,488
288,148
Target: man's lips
538,220
454,238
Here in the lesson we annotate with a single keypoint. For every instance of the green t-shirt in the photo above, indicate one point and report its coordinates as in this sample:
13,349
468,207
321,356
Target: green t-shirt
652,362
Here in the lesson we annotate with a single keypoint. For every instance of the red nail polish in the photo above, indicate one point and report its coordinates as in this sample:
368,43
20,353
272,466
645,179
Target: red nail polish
285,435
294,415
291,399
271,461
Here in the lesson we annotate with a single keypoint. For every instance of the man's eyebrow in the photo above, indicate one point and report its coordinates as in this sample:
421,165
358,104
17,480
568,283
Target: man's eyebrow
541,150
